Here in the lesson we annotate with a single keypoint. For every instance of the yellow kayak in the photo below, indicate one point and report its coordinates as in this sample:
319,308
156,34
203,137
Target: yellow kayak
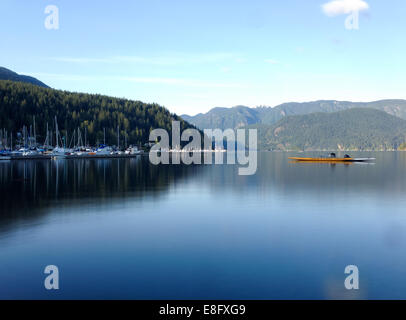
332,159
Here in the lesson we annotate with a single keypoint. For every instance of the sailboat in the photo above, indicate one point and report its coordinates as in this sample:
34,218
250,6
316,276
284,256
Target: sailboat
58,152
132,150
104,150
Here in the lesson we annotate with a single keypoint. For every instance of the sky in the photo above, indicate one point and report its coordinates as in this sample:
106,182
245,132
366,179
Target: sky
191,56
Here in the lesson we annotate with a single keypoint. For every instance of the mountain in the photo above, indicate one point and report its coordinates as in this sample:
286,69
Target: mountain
21,102
6,74
239,116
236,117
352,129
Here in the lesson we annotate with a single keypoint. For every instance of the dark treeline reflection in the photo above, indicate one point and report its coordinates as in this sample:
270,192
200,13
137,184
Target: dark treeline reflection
26,187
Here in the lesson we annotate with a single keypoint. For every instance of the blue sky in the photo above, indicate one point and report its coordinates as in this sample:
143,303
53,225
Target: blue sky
191,56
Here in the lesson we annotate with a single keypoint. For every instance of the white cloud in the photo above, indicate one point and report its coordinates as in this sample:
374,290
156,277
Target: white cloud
337,7
81,60
168,60
182,82
145,80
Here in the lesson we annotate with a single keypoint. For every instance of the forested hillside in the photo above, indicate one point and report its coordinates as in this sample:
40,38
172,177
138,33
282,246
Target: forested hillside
239,116
20,102
353,129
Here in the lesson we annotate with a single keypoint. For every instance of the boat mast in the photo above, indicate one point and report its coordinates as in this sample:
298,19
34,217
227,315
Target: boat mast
46,139
25,143
118,138
35,135
80,141
30,137
56,132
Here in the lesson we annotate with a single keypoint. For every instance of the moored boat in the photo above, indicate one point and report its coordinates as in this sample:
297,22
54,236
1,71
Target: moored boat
59,152
132,150
104,150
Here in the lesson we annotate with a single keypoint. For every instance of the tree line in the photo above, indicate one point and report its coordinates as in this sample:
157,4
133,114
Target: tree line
96,115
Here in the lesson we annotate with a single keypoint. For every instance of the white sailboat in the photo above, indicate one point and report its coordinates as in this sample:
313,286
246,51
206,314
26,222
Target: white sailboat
58,152
132,150
104,150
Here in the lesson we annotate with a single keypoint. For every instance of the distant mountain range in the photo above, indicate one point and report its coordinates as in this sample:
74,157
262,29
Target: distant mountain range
352,129
318,125
6,74
241,116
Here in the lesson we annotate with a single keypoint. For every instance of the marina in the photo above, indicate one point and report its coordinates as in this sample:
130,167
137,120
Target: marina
28,149
70,156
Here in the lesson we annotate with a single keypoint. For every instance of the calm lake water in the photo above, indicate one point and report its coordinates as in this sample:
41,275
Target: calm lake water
125,229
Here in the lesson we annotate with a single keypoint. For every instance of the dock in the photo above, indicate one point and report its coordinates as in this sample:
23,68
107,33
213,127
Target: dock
69,157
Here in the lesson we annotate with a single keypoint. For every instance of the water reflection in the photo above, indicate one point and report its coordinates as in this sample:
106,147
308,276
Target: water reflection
28,188
385,178
128,229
